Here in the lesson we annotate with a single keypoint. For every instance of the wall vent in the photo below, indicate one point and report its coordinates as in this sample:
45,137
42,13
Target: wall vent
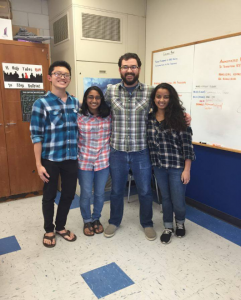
101,27
60,29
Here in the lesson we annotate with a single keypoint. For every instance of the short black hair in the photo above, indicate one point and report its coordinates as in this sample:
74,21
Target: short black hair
103,109
59,63
128,56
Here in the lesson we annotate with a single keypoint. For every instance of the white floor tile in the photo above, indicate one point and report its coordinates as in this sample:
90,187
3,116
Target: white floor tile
201,266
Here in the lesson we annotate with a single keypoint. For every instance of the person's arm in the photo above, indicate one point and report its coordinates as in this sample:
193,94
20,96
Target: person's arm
188,153
185,177
188,119
41,169
37,134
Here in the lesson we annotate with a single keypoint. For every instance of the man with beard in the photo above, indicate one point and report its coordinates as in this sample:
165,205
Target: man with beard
130,104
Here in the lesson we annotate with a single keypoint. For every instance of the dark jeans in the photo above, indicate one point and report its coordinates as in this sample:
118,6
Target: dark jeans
173,194
140,164
68,171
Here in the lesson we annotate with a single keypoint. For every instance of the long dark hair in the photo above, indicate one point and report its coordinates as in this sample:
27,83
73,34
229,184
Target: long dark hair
103,109
174,112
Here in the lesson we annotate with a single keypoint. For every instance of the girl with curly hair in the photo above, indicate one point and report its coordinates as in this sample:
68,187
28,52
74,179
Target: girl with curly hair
171,151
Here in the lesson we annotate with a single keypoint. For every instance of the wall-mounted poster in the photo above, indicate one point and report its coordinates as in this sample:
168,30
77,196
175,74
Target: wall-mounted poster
27,100
100,82
21,76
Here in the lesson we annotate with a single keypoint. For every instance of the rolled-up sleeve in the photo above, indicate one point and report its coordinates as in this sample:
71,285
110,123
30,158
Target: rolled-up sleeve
186,138
37,122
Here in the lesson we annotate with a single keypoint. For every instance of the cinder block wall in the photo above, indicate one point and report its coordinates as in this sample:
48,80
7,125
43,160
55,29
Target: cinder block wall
31,13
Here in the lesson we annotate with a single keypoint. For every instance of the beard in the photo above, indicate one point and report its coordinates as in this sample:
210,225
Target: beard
130,82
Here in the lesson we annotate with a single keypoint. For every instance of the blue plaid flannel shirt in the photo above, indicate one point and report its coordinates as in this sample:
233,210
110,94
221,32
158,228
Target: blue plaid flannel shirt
54,124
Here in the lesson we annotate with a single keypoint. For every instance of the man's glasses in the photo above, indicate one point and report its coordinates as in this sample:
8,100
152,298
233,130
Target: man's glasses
90,97
133,68
60,75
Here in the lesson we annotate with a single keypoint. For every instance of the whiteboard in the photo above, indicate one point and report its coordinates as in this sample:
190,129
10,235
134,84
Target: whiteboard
175,67
212,93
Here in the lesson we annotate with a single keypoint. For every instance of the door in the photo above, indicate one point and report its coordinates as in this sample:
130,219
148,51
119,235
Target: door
22,172
4,176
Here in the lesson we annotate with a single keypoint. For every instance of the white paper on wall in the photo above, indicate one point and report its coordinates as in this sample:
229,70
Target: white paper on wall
22,76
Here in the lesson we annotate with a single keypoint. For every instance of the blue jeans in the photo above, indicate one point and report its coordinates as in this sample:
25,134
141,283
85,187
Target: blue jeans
173,194
86,181
139,163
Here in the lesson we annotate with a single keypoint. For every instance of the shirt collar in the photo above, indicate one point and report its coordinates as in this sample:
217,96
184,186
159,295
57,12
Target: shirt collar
138,86
50,94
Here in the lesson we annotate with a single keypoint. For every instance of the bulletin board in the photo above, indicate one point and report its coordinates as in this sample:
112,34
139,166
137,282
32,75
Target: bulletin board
27,100
207,77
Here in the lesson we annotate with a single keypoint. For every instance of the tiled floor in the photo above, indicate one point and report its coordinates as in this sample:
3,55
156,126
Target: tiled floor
201,266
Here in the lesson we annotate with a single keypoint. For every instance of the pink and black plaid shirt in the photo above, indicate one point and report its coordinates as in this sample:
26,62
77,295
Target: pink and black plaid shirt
94,142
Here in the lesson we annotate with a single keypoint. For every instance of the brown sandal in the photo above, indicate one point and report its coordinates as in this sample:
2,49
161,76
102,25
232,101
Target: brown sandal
50,238
96,225
67,233
90,227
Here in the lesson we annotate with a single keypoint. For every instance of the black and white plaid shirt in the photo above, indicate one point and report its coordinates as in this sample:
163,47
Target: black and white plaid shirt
168,148
129,116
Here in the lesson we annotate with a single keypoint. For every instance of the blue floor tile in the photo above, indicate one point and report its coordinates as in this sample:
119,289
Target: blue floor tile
106,280
74,204
225,230
8,245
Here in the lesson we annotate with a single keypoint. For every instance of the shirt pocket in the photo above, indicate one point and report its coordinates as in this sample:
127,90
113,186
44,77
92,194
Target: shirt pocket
117,105
56,117
142,106
89,131
172,138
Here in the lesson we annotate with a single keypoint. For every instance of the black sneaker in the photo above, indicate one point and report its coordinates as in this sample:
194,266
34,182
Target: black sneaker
166,236
180,230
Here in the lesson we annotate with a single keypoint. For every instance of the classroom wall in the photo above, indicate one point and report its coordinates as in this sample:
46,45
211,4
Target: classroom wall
31,13
175,22
134,7
215,176
78,49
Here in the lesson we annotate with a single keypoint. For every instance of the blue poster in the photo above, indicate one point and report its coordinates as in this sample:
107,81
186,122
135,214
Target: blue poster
100,82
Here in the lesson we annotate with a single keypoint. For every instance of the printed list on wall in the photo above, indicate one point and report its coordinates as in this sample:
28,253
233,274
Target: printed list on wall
176,68
215,89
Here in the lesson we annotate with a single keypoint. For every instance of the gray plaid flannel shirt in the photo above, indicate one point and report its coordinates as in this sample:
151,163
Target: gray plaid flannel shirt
129,116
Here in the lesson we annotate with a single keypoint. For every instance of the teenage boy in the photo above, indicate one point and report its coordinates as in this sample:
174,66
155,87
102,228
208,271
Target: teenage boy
54,135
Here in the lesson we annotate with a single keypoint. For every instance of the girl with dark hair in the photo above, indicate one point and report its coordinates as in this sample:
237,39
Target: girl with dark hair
94,124
171,151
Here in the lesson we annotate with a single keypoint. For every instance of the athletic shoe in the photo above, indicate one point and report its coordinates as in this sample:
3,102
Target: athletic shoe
180,230
166,236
